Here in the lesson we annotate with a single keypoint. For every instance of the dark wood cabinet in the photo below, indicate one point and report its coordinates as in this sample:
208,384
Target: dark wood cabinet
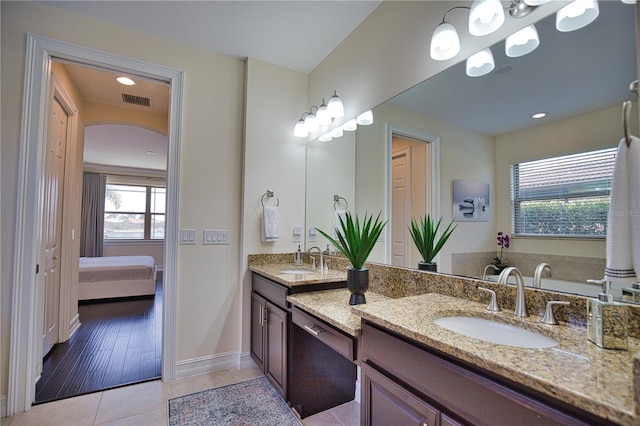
413,383
311,374
269,340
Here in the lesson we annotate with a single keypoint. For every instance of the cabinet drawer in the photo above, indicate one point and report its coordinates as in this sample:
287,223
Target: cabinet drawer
335,339
471,396
272,291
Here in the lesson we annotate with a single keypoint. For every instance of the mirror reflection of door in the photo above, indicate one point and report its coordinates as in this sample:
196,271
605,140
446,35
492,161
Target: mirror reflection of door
409,195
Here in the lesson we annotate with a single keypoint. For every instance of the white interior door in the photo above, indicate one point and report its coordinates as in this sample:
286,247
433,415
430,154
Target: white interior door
53,179
400,206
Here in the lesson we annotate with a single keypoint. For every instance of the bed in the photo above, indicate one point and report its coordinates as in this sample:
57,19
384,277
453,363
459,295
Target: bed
116,276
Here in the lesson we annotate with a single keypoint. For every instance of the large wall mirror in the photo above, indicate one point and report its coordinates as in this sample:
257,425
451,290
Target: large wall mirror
475,127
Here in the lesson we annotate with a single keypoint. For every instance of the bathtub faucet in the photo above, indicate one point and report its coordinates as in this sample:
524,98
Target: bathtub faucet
540,270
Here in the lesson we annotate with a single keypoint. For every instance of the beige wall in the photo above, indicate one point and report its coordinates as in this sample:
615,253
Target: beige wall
273,159
601,129
211,173
96,113
463,155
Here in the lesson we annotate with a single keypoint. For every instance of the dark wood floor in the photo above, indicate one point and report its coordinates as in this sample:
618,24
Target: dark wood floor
119,342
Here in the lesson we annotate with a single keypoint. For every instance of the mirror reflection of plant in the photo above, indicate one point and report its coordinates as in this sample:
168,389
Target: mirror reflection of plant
424,235
354,241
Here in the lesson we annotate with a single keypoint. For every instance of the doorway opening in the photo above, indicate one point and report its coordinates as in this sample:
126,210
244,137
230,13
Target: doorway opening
27,309
413,182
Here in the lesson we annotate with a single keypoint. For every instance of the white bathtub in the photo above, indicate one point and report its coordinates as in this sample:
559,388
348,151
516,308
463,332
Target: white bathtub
584,289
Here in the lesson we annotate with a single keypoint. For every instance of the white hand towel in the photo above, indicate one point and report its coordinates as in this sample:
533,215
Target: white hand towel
269,224
337,214
623,225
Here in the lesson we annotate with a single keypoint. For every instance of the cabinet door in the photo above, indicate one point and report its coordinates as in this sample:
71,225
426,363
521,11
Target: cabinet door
276,347
387,403
258,304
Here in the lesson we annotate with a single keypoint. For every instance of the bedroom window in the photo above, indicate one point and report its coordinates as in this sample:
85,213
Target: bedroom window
134,212
564,196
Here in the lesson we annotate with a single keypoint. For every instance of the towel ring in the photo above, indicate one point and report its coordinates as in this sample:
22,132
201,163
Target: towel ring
269,194
336,200
626,117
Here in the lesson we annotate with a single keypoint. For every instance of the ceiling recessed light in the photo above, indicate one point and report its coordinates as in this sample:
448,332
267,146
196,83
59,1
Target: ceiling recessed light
150,152
539,115
502,70
126,81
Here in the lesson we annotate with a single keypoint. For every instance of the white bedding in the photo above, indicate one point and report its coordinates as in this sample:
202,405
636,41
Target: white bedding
116,276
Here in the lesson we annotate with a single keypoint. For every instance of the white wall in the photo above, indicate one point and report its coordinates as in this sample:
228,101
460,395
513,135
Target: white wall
597,130
211,172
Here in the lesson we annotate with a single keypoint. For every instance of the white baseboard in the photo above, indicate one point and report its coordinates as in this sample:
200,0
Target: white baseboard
3,405
206,364
74,325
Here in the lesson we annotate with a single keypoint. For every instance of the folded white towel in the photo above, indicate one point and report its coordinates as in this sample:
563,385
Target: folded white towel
269,224
623,226
337,214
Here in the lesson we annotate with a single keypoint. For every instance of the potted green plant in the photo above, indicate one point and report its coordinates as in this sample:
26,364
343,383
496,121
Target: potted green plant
355,242
425,238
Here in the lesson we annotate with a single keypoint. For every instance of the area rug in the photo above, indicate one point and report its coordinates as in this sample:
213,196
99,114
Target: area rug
254,402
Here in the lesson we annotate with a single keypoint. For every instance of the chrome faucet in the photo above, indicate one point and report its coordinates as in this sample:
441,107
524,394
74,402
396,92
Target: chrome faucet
537,275
521,299
320,253
484,273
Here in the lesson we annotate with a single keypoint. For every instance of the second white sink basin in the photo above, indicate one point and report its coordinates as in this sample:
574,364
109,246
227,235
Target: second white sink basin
496,332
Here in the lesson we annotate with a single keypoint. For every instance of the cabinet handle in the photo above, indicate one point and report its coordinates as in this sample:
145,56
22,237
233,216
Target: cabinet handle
314,329
265,315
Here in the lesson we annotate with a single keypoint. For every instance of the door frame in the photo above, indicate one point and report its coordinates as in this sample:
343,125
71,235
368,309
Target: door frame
433,177
25,331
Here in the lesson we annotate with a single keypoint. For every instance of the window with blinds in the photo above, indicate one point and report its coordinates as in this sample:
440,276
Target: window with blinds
564,196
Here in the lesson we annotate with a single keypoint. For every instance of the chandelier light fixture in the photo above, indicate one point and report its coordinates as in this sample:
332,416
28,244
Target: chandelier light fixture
318,117
487,16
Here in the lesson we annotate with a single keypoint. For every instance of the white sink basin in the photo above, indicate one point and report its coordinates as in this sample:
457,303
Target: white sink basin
296,271
496,332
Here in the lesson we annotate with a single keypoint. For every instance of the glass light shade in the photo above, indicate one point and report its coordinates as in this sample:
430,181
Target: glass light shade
522,42
629,1
486,16
311,123
536,2
300,130
365,118
350,125
445,43
337,132
576,15
325,137
480,64
335,107
323,115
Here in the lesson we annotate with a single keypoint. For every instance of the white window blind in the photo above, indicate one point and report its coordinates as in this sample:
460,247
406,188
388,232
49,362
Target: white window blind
564,196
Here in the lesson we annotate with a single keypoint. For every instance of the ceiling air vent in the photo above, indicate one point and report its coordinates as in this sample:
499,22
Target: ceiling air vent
136,100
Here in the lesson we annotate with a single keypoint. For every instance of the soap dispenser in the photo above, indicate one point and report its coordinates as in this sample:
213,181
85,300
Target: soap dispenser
607,320
631,294
297,257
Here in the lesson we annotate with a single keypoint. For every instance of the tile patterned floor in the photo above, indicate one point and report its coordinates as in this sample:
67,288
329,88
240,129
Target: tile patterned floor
146,404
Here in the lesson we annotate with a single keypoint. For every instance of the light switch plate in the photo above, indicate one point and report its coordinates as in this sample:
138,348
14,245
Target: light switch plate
188,236
215,237
312,235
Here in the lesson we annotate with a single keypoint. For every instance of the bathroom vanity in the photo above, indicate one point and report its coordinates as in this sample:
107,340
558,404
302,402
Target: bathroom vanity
300,356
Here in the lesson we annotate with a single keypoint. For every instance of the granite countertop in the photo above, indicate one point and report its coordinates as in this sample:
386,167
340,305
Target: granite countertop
332,306
274,272
576,371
